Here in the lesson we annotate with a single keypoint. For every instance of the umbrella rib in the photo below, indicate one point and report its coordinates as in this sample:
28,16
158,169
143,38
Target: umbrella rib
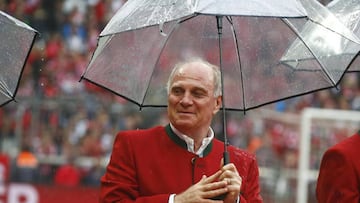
291,26
23,66
156,62
288,97
112,91
239,60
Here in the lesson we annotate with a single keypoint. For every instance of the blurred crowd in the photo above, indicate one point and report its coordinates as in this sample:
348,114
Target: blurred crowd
58,116
68,31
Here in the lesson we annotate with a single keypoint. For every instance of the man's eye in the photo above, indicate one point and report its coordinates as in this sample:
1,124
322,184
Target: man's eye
176,91
199,94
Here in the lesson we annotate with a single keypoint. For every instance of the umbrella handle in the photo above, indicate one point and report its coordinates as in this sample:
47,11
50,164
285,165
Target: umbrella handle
226,157
226,161
220,197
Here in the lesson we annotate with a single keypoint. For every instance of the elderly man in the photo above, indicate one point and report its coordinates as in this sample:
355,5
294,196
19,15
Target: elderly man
182,161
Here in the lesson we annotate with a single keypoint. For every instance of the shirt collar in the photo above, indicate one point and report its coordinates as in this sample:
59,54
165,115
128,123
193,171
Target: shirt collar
190,142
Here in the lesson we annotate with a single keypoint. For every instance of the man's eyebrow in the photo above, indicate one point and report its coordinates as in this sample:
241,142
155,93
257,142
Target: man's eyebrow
200,89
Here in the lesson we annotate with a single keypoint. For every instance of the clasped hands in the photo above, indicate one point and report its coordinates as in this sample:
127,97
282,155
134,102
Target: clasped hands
225,181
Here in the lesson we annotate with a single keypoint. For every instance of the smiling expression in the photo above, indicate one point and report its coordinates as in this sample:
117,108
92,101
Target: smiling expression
191,100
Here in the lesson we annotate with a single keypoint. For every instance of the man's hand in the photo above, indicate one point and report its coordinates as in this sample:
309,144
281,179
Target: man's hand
225,181
230,175
205,189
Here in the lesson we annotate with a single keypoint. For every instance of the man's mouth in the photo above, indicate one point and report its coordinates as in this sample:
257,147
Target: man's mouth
185,112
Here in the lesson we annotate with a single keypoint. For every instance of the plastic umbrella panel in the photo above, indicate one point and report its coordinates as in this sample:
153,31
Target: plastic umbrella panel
16,42
135,63
137,14
346,12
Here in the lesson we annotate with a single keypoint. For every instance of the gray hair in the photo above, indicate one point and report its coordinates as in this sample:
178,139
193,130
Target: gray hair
216,71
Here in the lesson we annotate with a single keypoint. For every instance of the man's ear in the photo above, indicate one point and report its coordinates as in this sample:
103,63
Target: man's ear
218,104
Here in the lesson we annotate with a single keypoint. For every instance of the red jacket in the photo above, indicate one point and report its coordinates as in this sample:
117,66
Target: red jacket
67,175
149,165
339,175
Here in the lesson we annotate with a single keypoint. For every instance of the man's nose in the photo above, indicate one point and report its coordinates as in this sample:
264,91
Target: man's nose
186,99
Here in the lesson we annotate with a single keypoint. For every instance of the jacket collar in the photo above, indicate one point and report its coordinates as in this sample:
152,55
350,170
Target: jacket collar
182,143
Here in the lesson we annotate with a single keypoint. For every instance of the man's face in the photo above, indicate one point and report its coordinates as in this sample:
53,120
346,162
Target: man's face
191,101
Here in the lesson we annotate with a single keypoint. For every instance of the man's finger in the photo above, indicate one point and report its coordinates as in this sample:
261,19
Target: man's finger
213,177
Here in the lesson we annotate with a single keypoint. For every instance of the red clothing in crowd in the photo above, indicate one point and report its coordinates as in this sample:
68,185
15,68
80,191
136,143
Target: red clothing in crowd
149,165
67,175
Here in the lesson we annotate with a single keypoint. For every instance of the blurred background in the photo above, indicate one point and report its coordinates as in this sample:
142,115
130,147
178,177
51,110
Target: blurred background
55,141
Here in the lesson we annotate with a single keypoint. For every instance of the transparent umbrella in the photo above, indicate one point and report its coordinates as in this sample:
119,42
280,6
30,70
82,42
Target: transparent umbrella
17,39
144,39
245,38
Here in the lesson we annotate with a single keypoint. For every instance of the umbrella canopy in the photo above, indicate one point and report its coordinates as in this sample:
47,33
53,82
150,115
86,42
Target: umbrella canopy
17,39
348,13
139,46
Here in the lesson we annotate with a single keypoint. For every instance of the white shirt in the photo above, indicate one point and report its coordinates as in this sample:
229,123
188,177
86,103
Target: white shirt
190,142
